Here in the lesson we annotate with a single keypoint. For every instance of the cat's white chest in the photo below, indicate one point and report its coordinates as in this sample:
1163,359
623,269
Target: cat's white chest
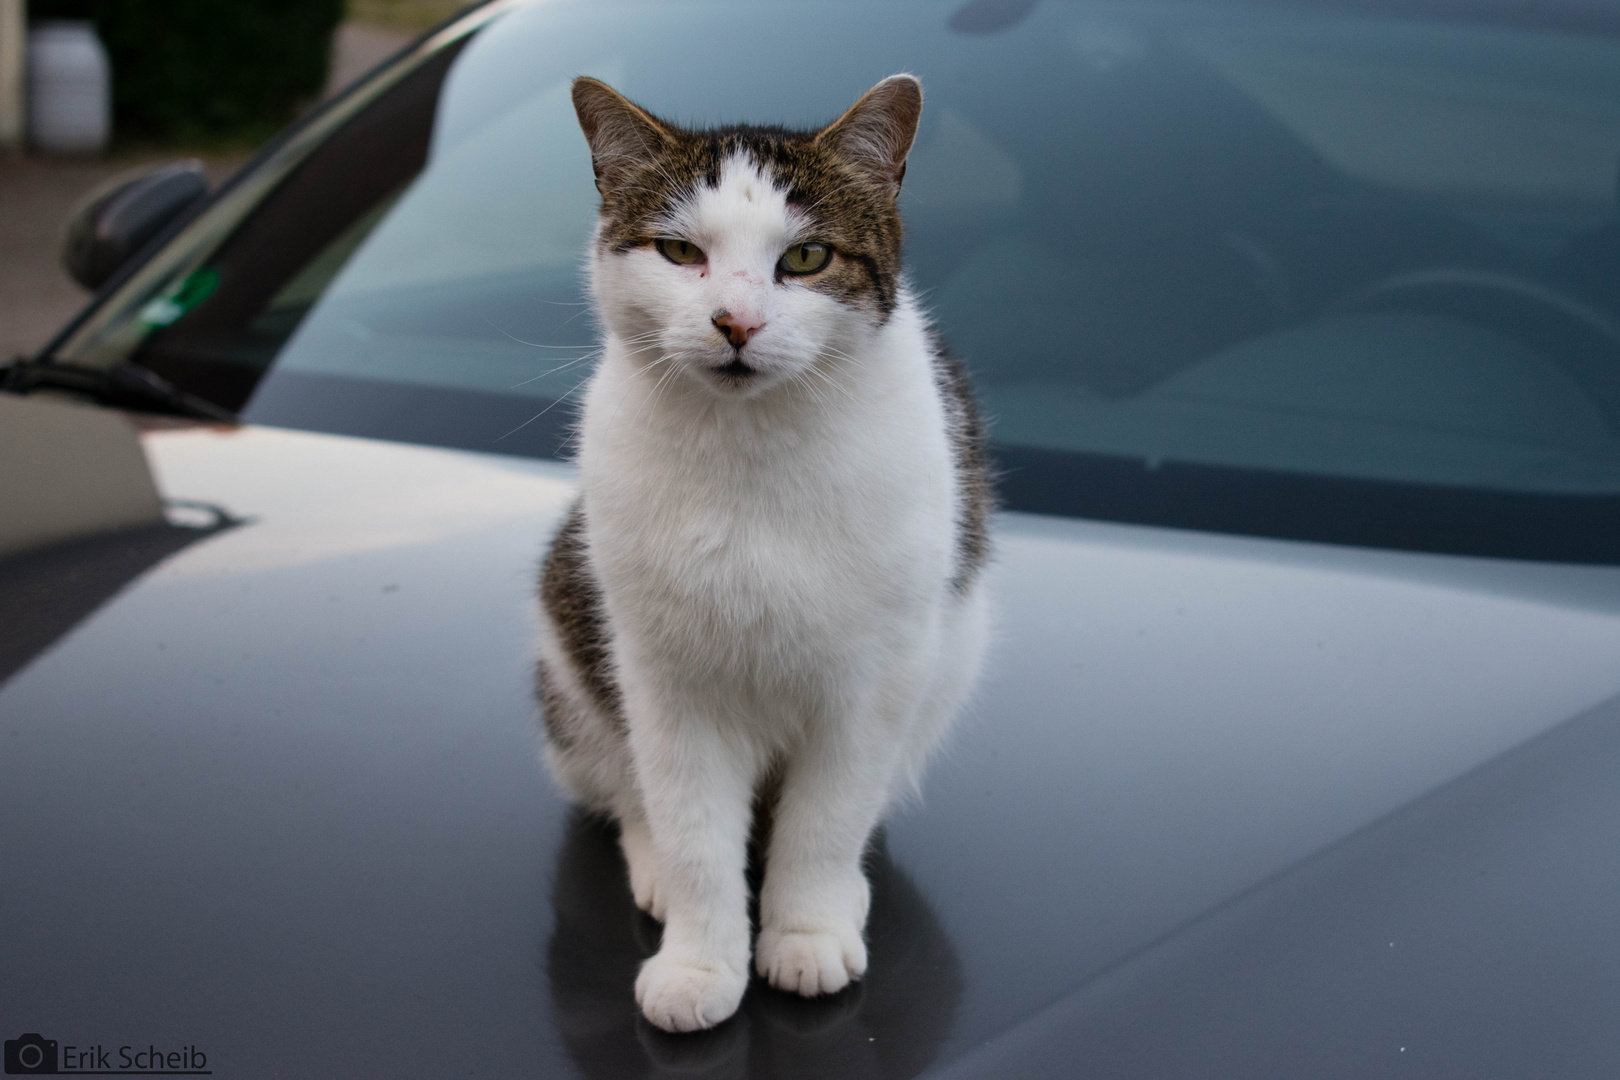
786,553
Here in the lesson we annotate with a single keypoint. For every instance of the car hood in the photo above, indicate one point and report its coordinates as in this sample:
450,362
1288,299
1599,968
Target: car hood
278,797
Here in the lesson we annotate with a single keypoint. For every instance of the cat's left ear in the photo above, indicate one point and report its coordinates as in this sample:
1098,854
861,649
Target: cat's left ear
877,131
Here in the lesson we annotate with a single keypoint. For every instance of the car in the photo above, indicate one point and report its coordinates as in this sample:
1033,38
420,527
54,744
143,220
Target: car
1297,325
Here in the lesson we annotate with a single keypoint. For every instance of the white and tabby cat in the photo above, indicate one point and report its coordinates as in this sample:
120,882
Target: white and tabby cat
770,586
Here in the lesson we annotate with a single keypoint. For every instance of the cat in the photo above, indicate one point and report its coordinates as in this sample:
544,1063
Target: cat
771,583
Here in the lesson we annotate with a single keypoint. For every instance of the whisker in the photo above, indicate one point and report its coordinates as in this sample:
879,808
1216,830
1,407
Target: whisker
827,381
534,344
652,398
586,310
541,413
809,388
553,371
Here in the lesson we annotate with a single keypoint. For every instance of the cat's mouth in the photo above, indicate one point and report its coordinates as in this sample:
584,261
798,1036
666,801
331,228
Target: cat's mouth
735,373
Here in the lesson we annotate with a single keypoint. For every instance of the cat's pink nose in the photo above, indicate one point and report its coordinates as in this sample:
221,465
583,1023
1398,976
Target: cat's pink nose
738,328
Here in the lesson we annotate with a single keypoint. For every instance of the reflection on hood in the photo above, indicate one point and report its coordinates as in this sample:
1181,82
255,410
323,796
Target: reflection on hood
890,1024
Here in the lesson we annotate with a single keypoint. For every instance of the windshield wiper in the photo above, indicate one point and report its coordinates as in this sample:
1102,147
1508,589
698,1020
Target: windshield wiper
123,385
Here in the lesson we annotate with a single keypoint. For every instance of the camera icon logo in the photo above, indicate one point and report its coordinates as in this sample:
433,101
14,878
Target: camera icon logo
31,1055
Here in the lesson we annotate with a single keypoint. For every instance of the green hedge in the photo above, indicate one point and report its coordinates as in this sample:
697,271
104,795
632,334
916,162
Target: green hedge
186,70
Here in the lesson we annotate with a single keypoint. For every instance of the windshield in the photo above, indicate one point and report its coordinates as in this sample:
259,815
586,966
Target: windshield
1291,273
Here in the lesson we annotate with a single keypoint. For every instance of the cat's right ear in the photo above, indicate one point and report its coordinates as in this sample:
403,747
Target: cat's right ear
621,134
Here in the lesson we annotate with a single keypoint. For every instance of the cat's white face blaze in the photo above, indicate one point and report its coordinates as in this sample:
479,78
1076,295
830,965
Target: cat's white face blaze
686,317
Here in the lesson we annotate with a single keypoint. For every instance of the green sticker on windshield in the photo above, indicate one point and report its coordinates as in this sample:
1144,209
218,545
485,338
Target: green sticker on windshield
196,287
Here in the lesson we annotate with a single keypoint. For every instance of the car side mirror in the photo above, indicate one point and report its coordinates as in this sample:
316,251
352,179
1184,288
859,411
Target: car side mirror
115,222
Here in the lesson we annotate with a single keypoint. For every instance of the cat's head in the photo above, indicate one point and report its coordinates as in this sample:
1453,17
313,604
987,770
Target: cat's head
745,255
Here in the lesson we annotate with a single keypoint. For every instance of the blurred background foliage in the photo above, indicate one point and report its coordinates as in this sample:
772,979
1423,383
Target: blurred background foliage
202,70
224,72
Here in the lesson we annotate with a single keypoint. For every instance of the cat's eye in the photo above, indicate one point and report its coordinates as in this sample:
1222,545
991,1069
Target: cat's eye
805,258
678,251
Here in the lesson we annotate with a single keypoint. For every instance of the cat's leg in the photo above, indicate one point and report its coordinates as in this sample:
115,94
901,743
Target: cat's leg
815,898
697,785
635,840
587,749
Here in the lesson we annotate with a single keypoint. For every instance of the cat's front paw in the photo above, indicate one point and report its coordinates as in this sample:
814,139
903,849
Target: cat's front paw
679,996
811,962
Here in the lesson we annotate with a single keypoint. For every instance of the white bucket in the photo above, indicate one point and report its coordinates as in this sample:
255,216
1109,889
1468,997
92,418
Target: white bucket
69,88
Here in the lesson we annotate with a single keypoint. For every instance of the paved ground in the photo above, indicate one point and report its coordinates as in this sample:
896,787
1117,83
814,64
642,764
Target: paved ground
36,195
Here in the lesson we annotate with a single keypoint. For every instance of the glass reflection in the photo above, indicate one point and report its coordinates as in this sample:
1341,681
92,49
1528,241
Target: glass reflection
891,1024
